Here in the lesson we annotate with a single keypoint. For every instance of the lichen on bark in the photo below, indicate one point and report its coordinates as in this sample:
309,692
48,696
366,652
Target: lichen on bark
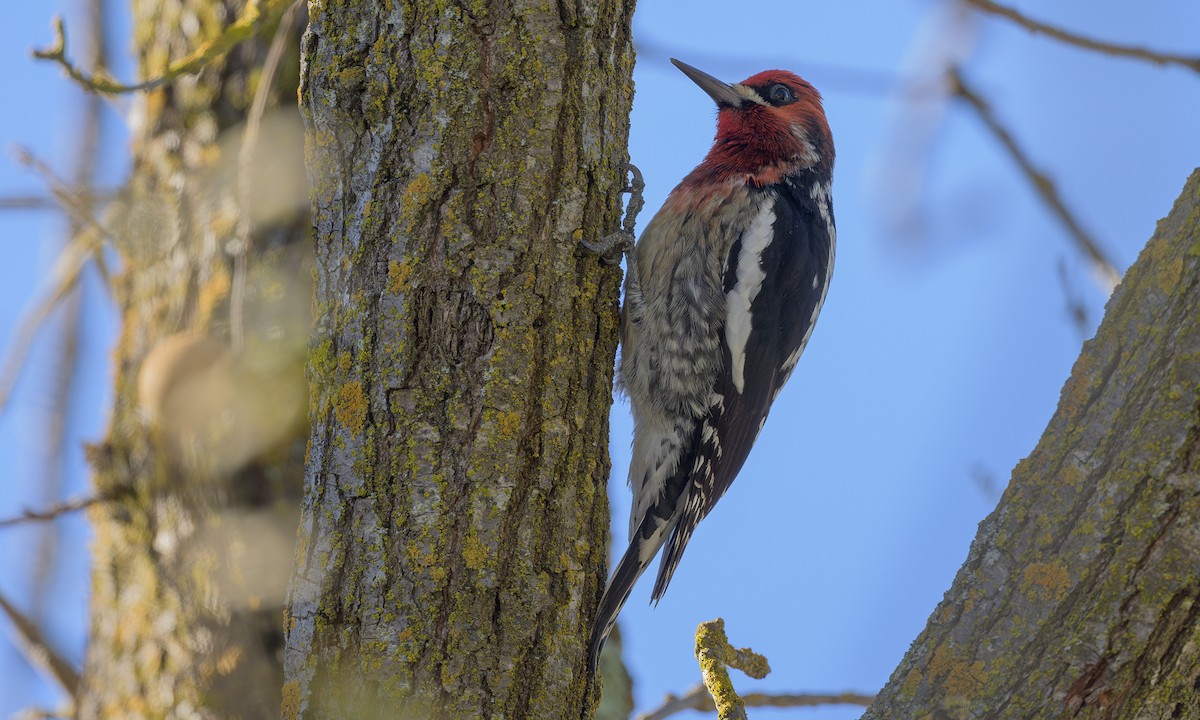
1081,594
452,541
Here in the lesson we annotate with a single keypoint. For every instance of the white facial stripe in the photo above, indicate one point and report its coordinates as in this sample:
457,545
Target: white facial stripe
749,93
738,300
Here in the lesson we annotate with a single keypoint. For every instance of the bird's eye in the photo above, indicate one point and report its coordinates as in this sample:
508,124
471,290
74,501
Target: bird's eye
781,94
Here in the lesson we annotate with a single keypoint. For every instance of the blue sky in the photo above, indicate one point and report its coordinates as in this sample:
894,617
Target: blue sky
938,359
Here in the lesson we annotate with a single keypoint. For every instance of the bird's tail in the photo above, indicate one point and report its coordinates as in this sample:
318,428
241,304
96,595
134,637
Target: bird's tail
646,541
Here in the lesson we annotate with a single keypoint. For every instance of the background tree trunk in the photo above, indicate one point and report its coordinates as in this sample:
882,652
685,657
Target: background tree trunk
455,517
185,613
1081,594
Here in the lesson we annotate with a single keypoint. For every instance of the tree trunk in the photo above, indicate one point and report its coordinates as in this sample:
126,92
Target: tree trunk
455,517
185,616
1081,594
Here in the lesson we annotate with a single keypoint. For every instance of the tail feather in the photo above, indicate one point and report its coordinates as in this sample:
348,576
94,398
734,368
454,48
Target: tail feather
650,536
674,552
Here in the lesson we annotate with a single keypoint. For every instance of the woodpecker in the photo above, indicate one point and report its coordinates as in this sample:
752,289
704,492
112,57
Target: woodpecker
721,295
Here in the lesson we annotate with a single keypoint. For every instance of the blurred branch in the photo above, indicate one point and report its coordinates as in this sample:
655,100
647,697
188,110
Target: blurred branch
32,644
67,713
947,36
1128,51
86,243
49,202
863,80
715,654
55,511
1106,271
66,274
78,207
698,699
99,81
1076,307
64,366
244,226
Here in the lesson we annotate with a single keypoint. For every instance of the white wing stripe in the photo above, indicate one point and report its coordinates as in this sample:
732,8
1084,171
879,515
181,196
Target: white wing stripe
741,296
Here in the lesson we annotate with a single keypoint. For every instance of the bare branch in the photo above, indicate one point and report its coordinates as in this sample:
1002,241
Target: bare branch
1106,271
77,206
49,202
59,388
55,511
698,699
1127,51
66,713
85,244
32,644
100,82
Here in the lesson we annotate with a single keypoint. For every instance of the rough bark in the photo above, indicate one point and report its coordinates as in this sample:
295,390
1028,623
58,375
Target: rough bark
454,521
185,620
1081,594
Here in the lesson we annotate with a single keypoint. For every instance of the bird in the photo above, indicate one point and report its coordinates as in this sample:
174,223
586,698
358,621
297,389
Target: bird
722,292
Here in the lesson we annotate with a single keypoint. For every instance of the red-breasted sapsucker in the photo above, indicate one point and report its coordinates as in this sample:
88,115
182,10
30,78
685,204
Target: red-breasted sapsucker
722,291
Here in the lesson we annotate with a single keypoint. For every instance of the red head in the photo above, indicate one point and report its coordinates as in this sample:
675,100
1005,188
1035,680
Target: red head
769,125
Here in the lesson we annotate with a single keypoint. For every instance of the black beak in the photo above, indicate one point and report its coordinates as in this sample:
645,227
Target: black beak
721,92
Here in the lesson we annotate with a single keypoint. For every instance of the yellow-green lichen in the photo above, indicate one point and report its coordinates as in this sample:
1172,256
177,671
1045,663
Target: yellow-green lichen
350,407
290,707
475,552
398,276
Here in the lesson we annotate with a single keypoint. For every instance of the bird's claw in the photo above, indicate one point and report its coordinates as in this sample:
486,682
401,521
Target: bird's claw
611,248
614,246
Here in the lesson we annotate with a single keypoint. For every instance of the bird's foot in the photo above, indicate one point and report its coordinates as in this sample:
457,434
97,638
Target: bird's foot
614,246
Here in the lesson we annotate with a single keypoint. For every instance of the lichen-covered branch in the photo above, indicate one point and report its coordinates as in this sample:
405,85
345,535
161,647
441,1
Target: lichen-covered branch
715,653
1080,597
257,14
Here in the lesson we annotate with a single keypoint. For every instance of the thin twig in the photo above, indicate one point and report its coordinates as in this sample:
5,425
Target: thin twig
32,644
61,383
49,202
54,511
67,713
1128,51
77,207
698,699
98,81
1076,308
86,243
1106,271
245,224
33,320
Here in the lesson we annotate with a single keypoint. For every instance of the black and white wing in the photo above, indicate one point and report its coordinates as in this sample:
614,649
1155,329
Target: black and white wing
775,280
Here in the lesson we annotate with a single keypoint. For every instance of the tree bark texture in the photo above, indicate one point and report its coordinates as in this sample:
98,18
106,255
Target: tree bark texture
186,602
454,521
1081,594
